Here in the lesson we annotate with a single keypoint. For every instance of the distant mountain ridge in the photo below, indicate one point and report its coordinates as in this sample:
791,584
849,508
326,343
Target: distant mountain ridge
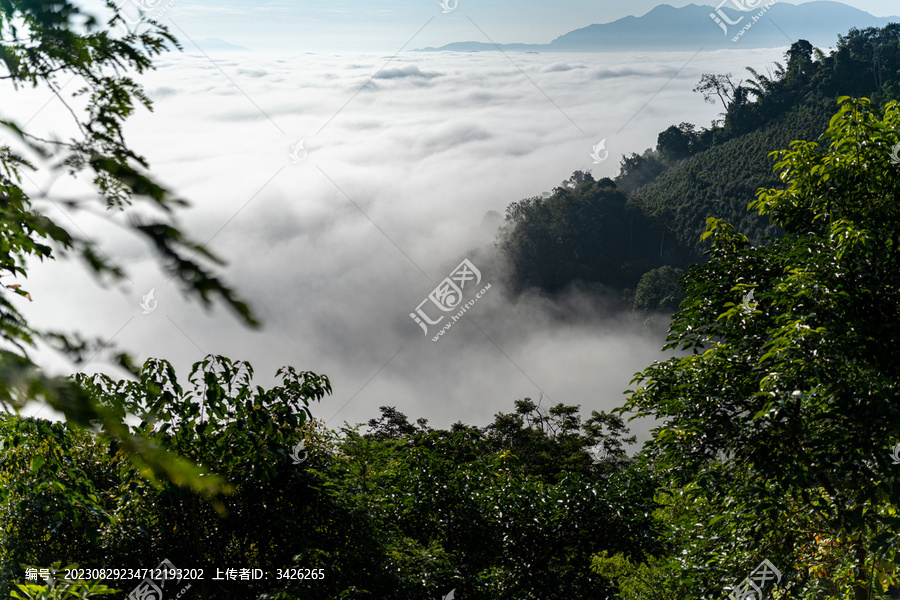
693,26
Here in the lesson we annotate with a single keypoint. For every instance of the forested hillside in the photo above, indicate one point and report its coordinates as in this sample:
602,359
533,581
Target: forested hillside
722,180
665,194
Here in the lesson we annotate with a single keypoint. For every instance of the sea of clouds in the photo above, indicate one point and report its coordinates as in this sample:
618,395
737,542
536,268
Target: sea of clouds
403,158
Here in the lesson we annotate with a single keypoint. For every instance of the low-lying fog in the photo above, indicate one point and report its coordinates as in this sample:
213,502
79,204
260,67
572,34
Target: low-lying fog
397,175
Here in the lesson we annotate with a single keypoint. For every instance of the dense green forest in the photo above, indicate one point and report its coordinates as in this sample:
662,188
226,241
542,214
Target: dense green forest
778,441
403,511
777,424
614,233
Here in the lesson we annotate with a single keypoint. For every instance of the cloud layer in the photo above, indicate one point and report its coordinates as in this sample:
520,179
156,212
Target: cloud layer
405,158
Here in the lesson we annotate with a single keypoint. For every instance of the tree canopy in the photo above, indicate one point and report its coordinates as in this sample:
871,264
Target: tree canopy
667,193
783,414
41,44
514,509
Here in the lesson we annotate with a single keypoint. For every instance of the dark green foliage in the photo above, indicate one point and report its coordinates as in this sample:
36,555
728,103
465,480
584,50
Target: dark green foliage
721,181
515,509
639,169
783,415
577,235
231,428
550,442
41,44
659,290
586,231
71,496
794,102
393,425
57,493
509,511
677,142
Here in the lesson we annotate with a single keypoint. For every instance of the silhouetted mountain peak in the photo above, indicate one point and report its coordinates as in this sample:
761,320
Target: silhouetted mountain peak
666,27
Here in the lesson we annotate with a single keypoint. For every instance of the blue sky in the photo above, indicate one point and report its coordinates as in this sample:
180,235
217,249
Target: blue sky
354,25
